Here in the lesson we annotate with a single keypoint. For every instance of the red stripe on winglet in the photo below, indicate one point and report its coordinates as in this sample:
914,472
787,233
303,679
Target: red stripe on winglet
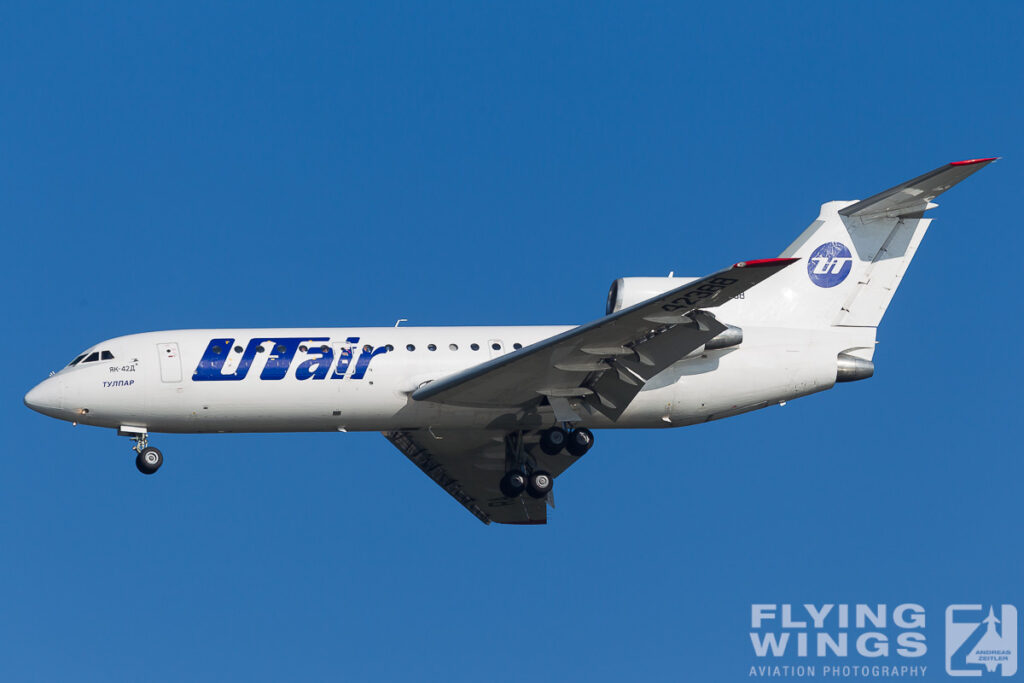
972,161
764,262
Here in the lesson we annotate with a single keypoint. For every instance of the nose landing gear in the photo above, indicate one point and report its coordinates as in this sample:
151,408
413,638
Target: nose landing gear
149,459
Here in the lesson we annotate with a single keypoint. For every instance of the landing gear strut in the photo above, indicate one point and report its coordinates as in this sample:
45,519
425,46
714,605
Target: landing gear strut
149,459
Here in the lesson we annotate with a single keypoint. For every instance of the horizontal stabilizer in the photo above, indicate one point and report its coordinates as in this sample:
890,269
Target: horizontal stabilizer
913,196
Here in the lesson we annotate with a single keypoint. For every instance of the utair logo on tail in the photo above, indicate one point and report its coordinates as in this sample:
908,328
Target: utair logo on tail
830,264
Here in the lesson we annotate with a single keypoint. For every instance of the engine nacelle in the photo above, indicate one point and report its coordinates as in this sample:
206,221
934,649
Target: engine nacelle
850,368
627,291
727,338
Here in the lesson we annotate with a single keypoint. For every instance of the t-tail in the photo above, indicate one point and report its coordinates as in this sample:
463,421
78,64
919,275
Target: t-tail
855,254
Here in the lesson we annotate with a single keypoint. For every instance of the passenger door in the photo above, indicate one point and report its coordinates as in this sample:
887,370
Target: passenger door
170,362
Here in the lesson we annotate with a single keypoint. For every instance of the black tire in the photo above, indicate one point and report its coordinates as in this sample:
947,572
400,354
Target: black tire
539,484
553,440
580,441
149,460
512,484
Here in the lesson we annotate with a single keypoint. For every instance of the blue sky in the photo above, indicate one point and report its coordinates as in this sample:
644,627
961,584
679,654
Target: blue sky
254,164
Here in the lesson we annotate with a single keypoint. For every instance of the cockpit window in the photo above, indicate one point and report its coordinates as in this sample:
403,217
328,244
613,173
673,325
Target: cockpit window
92,357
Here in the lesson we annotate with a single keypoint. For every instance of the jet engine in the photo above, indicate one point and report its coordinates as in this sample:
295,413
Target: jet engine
627,291
850,368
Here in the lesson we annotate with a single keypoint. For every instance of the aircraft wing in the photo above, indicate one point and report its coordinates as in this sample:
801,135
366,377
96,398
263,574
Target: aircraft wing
468,464
604,363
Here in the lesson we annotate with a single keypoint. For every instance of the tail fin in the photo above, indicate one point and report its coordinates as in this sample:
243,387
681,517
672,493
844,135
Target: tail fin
855,253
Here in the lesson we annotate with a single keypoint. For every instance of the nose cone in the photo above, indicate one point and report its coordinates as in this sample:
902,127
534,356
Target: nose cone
47,397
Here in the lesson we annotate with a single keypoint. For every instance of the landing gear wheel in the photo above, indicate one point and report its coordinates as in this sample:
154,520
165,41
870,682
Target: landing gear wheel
149,460
539,484
580,441
512,484
553,440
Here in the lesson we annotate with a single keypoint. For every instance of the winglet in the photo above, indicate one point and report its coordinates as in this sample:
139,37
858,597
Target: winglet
969,162
914,196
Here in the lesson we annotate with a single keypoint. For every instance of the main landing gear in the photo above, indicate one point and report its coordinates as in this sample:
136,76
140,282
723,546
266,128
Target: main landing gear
149,459
537,484
522,471
576,441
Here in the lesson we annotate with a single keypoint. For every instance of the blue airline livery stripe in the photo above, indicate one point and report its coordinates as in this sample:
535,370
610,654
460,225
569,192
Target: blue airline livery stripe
281,354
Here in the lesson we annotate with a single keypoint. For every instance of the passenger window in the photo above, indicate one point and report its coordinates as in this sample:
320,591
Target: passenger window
410,347
517,346
92,357
475,347
106,355
496,346
453,347
432,347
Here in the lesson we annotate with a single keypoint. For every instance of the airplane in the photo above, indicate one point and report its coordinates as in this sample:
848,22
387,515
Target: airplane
494,414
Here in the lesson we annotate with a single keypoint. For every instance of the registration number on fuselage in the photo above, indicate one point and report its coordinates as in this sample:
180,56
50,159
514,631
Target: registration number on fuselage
697,294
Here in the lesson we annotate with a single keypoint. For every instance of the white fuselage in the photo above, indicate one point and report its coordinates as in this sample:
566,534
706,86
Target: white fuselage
360,379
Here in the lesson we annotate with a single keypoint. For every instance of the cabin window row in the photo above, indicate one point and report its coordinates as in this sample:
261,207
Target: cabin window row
455,347
324,349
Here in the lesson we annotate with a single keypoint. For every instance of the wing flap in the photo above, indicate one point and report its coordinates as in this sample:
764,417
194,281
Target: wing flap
653,356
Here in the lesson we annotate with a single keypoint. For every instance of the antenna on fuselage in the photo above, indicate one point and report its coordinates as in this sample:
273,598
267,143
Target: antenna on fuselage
400,321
